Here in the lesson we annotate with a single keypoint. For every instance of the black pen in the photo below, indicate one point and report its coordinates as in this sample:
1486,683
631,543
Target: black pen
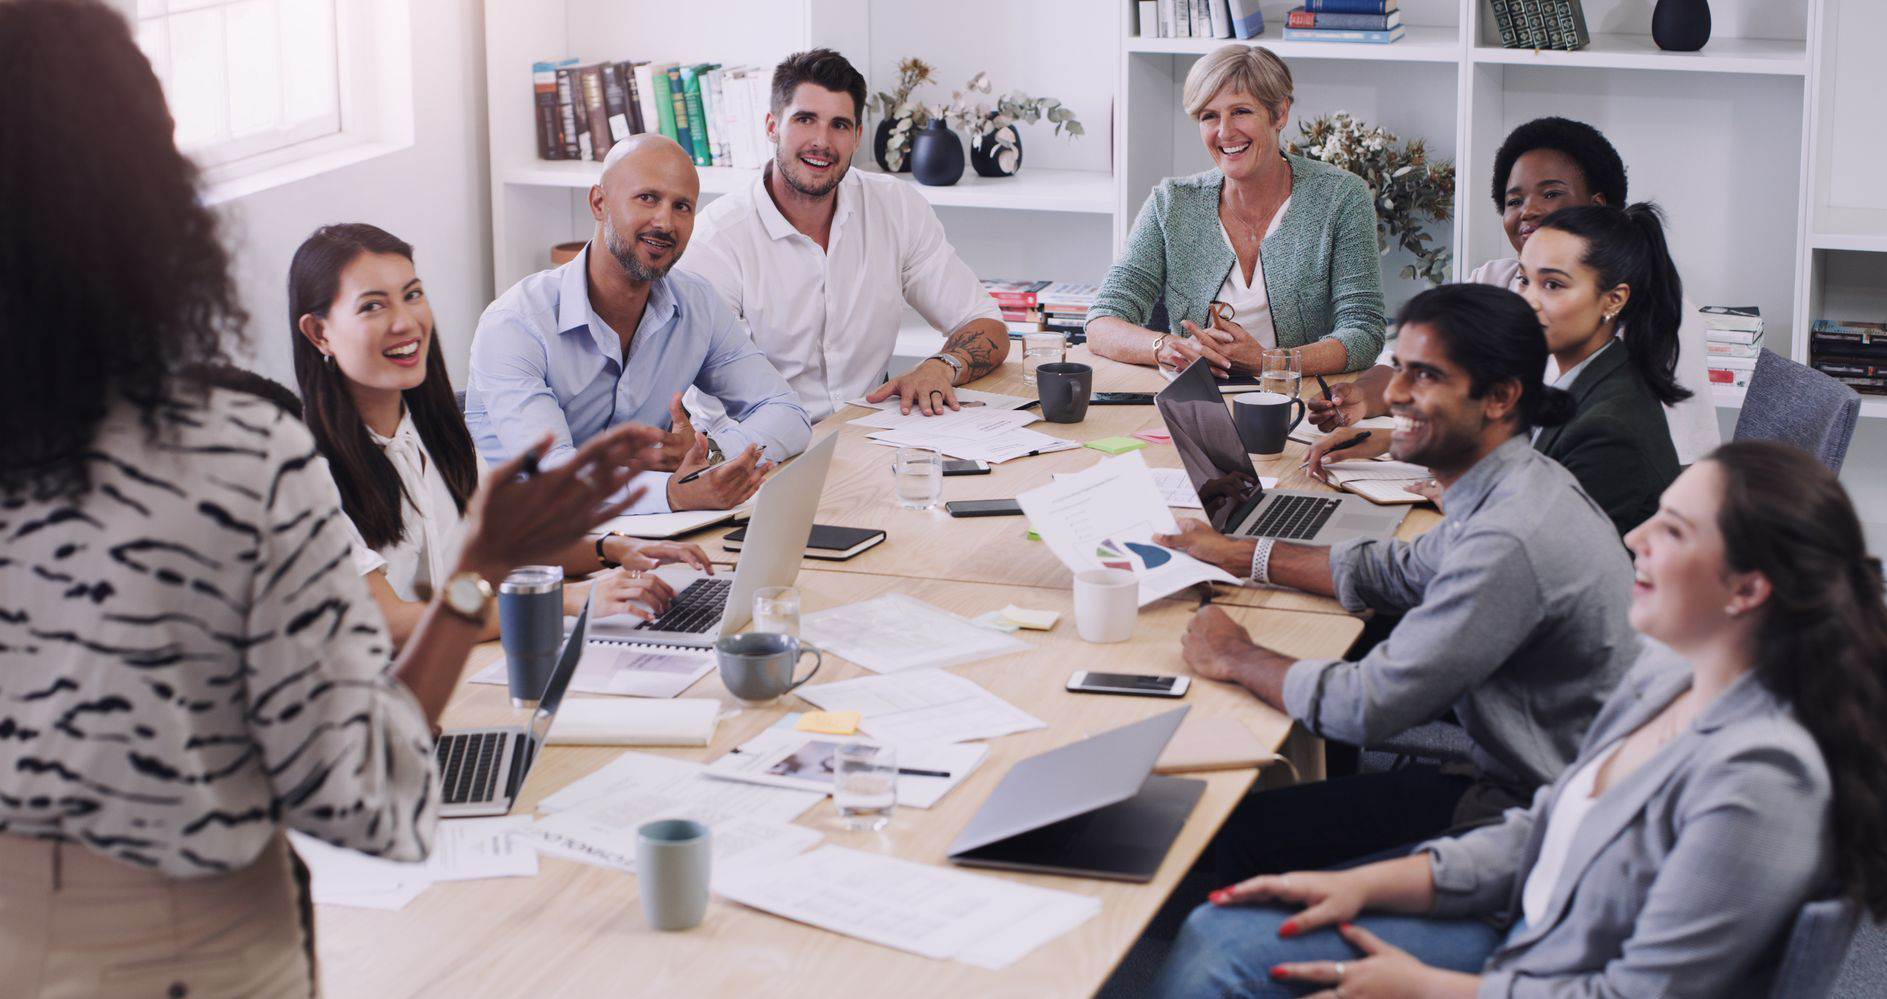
1352,442
697,473
913,772
1325,386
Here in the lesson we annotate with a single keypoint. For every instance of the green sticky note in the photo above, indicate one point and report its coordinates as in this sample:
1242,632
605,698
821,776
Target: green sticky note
1034,536
1116,445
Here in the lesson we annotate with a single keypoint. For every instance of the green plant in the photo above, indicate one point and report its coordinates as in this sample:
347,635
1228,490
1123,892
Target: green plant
974,120
1408,187
896,107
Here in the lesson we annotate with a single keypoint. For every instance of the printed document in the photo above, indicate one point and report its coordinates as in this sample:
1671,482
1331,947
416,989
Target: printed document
462,850
922,705
992,436
934,911
896,632
785,758
1106,517
1176,487
614,667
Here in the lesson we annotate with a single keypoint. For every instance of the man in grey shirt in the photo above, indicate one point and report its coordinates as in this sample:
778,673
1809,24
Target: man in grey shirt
1513,610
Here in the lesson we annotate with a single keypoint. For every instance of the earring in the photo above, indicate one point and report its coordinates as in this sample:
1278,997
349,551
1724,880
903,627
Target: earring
1608,317
329,358
1732,610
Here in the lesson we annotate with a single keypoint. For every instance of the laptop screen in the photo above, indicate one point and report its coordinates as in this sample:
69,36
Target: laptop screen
560,676
1203,433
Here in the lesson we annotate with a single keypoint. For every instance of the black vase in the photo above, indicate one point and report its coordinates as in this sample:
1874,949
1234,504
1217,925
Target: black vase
936,155
983,155
1681,25
881,141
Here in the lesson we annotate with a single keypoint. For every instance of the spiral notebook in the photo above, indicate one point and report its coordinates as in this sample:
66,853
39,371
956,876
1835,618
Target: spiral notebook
610,666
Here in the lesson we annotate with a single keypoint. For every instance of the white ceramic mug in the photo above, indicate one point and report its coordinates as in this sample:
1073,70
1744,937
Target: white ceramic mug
1106,603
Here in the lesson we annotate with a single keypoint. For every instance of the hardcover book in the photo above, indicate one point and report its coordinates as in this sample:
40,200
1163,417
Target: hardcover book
1324,35
690,105
1300,17
1247,20
544,95
1351,6
596,110
573,124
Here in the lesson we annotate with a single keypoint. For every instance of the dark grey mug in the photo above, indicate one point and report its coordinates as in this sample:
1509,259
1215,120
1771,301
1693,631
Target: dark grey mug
1064,388
757,666
1264,420
530,627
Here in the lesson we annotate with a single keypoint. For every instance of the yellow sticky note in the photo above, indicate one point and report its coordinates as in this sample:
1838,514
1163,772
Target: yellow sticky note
1038,620
828,722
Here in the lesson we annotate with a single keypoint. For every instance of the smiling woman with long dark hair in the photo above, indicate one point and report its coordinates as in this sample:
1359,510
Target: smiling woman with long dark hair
187,668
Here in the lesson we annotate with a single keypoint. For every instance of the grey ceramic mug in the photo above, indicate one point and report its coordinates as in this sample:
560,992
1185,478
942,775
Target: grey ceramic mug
1264,420
1064,389
757,666
672,864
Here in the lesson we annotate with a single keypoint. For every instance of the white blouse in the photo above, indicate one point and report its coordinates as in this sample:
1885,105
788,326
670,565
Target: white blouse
1575,801
1251,302
187,666
422,558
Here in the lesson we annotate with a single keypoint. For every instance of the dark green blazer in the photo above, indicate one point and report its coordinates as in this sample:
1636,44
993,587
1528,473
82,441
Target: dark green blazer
1618,443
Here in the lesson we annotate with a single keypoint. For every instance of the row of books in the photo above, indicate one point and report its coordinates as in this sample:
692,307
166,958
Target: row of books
716,113
1377,22
1044,306
1855,353
1541,24
1200,19
1732,339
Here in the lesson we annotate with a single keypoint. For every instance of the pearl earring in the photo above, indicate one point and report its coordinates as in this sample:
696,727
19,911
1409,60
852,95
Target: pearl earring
1610,316
1732,610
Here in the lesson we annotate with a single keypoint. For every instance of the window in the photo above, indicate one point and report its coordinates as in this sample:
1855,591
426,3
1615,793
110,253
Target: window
245,78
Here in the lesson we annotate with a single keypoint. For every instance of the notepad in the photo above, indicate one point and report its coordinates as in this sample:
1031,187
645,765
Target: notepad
828,722
1385,482
1116,445
1036,620
685,721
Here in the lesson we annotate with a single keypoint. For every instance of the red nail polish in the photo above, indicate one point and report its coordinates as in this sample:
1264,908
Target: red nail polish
1345,925
1278,973
1217,897
1287,930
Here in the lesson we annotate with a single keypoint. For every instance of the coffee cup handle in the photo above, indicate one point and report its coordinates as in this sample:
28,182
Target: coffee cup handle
1302,409
818,660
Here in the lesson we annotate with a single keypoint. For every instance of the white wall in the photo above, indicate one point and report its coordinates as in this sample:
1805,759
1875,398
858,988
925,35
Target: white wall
435,194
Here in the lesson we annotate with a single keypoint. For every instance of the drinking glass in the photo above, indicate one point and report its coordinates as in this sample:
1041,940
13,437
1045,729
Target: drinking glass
1280,371
865,784
776,609
1039,349
919,472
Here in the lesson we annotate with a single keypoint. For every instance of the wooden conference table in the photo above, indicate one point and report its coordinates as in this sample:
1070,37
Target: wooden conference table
578,930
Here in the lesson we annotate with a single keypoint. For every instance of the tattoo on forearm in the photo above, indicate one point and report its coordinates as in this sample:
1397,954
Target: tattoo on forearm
974,347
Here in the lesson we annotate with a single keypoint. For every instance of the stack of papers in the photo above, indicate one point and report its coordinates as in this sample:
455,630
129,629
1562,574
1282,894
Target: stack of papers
786,758
925,705
462,850
934,911
594,820
896,632
612,721
1106,517
616,667
979,433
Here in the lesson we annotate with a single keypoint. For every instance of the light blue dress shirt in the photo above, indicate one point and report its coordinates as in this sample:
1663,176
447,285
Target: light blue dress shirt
544,361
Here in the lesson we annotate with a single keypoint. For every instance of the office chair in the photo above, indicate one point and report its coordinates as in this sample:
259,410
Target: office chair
1817,946
1796,404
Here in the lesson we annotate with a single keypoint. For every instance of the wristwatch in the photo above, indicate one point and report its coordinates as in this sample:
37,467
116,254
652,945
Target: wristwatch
468,595
715,454
607,562
956,366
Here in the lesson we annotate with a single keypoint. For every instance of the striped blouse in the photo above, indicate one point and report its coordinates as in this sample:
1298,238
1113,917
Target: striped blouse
188,660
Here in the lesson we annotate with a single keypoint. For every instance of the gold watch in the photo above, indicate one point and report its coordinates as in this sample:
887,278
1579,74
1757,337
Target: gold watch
468,595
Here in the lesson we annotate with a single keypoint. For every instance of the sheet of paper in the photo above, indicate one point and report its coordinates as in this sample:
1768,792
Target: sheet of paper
797,759
895,632
1006,417
610,667
645,773
924,705
991,437
462,850
990,400
603,831
1106,517
934,911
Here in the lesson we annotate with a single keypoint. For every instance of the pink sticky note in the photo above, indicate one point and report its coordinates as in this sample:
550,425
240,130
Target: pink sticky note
1155,436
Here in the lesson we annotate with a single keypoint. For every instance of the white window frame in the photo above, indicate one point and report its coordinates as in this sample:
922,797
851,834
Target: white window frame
373,41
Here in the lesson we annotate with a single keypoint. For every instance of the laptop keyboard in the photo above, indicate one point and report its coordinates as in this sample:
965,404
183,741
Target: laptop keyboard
1293,517
696,608
468,765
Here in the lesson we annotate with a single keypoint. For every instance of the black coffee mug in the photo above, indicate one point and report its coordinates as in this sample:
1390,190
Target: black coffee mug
1264,420
1064,388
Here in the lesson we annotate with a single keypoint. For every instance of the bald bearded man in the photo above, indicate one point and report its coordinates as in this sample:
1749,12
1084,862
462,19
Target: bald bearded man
613,337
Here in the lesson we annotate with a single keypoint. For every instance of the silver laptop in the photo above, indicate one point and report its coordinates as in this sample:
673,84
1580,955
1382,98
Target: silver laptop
1235,502
1091,808
481,770
707,607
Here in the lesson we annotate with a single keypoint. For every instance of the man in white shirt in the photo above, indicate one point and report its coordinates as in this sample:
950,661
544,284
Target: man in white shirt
820,259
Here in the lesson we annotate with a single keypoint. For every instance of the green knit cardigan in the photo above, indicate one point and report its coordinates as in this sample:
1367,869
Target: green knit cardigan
1321,267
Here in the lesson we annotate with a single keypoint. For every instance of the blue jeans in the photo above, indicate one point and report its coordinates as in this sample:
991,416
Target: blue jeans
1229,951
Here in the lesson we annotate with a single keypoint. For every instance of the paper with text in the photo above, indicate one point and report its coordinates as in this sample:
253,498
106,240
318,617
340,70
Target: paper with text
626,668
923,705
895,632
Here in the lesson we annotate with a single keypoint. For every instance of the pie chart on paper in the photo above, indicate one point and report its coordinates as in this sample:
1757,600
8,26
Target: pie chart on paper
1153,555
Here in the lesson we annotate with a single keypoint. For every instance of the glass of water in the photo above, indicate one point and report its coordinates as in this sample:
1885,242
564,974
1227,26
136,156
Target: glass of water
865,784
1280,371
919,472
1039,349
776,609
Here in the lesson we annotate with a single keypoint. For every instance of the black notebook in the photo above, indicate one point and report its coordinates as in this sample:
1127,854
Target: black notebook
832,543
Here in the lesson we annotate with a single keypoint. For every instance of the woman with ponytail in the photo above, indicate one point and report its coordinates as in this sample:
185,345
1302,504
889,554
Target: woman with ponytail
1590,272
1733,776
377,398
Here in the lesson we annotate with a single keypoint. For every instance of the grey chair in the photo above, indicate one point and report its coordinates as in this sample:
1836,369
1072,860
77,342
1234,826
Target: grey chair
1817,945
1441,741
1796,404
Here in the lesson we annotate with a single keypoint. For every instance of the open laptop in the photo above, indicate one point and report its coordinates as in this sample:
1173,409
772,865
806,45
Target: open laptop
1235,502
707,607
481,770
1091,808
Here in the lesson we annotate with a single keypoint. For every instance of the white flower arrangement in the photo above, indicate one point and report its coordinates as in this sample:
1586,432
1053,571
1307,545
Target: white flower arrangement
1407,186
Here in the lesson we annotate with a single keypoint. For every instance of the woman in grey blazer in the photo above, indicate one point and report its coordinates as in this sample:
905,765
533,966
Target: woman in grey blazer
1733,776
1264,250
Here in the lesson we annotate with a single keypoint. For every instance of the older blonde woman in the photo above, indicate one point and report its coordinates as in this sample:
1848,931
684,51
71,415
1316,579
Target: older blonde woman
1264,250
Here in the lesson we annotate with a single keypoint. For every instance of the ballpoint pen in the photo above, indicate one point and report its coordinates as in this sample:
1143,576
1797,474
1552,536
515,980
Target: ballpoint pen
1352,442
1325,386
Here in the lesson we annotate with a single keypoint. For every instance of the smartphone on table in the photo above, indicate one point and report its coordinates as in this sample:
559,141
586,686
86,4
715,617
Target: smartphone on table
965,466
983,508
1136,684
